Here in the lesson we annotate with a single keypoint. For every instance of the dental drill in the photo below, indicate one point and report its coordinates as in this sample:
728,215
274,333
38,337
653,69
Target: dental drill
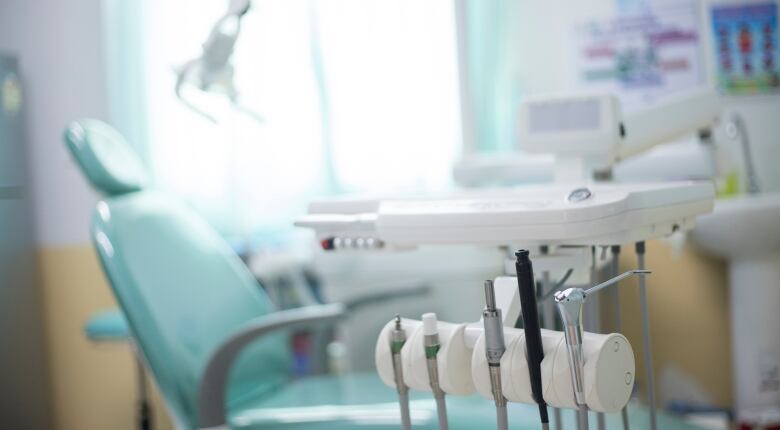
533,333
432,346
494,350
569,304
397,340
570,307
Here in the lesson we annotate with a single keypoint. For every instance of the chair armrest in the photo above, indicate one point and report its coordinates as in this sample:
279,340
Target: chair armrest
371,299
212,412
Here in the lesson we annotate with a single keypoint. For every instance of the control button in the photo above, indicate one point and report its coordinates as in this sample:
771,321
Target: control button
579,195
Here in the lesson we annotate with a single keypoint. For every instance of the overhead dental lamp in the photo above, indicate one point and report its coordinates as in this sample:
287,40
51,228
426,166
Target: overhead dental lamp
212,71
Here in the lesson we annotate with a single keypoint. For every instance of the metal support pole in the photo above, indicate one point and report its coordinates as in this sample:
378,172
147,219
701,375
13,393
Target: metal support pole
595,322
549,323
647,344
144,406
614,270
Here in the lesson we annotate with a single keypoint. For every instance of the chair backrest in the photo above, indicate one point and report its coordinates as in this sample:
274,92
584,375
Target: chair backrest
105,158
182,288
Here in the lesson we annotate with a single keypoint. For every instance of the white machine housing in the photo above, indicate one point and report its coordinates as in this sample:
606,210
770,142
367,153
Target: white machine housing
588,133
596,214
581,126
585,134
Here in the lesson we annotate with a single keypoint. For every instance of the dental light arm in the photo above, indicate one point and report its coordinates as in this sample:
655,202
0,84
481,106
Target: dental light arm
589,133
212,71
679,116
212,413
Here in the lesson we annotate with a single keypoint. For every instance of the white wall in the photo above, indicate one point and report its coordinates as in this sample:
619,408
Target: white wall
59,47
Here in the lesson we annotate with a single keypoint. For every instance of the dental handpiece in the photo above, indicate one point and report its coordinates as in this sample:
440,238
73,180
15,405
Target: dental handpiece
533,333
569,304
397,341
432,346
494,350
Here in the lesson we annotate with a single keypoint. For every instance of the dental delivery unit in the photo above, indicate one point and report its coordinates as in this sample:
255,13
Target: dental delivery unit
561,225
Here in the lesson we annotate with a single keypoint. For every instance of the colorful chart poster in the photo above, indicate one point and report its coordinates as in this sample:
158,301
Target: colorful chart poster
747,59
649,49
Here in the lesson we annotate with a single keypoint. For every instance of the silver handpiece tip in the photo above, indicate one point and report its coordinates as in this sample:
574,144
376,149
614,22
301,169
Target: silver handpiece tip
490,295
397,321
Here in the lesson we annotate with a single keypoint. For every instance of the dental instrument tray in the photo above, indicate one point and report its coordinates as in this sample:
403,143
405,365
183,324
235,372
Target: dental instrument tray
553,214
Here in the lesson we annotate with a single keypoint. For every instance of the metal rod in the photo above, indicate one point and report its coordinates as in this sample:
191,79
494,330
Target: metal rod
501,418
647,343
614,270
601,424
144,405
549,323
594,320
441,411
617,279
582,418
406,420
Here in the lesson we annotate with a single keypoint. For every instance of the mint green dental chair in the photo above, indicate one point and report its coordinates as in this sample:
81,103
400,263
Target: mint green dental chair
205,329
209,335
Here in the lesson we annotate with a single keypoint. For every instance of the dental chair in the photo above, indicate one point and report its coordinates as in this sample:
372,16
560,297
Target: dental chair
211,338
217,349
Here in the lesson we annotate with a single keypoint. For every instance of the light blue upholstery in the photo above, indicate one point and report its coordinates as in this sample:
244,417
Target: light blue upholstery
105,158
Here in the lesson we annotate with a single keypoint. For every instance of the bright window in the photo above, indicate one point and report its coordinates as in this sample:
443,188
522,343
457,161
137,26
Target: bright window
355,95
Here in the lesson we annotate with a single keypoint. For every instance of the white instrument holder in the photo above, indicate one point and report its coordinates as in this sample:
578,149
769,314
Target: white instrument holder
609,365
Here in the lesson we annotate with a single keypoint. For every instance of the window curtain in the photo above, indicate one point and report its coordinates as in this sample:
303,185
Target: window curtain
354,96
492,58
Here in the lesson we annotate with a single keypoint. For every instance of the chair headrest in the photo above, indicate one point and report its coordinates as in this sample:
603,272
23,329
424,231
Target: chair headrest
105,157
